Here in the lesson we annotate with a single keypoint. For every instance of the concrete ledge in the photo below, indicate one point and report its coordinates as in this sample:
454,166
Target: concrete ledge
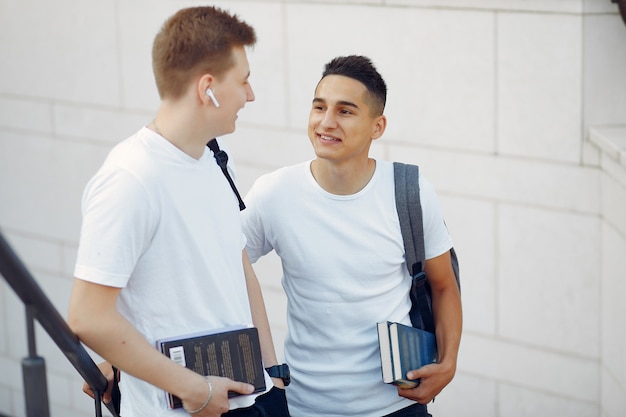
611,140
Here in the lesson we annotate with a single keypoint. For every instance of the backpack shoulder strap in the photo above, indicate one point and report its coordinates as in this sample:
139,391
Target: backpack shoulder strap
406,178
408,205
409,209
222,160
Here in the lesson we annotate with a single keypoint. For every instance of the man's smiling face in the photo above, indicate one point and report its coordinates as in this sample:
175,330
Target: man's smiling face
341,123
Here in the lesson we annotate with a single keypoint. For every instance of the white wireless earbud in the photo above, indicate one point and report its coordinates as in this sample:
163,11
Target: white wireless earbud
210,94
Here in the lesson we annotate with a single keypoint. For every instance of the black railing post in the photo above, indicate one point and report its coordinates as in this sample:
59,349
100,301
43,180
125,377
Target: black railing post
34,374
40,308
98,403
621,5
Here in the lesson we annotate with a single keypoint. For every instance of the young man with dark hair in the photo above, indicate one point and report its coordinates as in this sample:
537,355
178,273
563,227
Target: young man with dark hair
162,250
334,225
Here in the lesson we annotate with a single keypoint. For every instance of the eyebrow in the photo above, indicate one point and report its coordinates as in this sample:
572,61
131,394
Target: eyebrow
341,102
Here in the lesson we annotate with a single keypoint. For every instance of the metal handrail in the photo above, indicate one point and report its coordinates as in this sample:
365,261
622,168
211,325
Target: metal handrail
39,307
621,5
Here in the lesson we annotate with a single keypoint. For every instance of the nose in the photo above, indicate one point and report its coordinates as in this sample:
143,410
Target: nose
328,120
250,94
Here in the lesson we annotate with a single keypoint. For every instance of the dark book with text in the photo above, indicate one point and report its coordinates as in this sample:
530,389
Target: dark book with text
402,349
233,353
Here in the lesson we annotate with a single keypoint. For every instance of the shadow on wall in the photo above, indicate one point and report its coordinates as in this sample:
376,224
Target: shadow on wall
622,8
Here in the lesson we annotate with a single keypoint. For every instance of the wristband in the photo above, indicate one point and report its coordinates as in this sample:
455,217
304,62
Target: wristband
202,407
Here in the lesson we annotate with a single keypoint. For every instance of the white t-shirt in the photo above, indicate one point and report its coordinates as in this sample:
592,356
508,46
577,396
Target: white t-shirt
165,228
343,272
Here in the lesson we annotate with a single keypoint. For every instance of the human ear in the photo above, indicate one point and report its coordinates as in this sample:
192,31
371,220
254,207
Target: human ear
205,91
379,127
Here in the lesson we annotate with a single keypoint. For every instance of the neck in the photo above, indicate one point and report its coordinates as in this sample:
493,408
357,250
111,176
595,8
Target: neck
181,128
345,179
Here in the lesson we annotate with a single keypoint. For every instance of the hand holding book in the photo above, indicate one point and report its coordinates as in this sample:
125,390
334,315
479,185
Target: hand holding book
231,353
433,378
211,396
403,349
408,360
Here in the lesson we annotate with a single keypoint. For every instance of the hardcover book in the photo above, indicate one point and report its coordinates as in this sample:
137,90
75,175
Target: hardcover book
233,352
402,349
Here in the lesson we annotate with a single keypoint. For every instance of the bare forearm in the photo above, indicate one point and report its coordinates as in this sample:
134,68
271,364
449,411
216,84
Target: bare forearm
116,340
448,324
95,320
446,308
259,315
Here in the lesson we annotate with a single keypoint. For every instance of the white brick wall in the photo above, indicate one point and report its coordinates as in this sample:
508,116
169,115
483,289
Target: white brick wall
494,99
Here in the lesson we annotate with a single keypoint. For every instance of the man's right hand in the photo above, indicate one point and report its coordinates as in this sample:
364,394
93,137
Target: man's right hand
107,371
219,403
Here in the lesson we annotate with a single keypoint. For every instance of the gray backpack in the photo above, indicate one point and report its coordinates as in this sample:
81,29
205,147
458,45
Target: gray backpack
406,177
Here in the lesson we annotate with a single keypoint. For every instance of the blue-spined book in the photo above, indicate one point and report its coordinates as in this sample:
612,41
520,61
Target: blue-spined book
402,349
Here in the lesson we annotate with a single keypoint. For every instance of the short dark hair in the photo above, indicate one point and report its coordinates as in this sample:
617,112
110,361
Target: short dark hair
362,69
194,41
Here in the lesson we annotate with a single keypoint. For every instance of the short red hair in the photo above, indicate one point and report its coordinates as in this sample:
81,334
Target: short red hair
195,41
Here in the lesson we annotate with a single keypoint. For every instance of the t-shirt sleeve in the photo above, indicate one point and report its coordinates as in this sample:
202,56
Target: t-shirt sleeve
437,240
253,226
118,223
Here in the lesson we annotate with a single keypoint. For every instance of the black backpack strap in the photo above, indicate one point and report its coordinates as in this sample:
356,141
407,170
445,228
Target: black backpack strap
406,178
222,160
115,392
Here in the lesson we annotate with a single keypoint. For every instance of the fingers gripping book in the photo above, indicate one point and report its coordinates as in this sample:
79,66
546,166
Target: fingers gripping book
402,349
